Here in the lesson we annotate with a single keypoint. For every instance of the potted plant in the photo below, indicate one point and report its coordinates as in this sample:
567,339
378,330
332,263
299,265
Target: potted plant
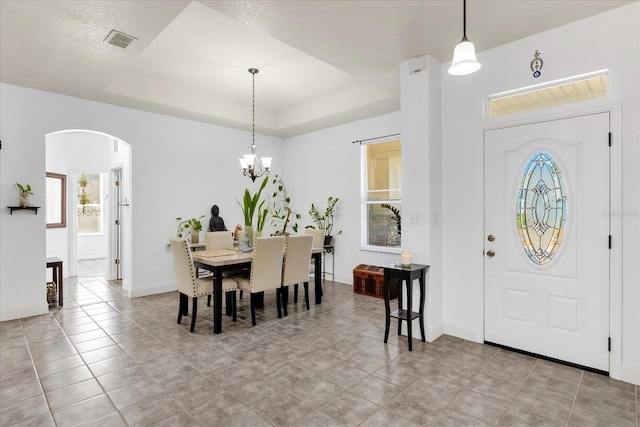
395,217
324,221
249,206
83,197
25,191
281,212
192,226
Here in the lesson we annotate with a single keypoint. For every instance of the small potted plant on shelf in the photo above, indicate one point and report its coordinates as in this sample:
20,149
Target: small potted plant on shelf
192,226
324,221
25,191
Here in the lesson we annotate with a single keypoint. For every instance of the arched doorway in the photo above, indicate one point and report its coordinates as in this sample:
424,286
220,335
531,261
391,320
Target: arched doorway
105,159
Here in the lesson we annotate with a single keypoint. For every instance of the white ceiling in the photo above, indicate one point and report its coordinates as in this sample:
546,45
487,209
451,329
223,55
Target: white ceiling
321,63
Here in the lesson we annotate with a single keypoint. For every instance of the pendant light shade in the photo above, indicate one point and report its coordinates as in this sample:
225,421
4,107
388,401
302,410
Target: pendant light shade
464,55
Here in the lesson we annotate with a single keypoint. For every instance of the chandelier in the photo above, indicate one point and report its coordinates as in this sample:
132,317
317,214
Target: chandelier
252,166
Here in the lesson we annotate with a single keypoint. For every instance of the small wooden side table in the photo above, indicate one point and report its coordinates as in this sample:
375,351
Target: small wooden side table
408,274
56,264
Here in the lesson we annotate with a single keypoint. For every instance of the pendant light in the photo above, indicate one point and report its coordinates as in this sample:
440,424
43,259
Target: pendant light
464,55
251,165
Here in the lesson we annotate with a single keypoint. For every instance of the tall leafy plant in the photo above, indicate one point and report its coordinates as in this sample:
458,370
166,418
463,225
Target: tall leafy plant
282,216
250,204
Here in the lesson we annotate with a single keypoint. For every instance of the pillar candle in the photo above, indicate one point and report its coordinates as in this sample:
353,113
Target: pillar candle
406,259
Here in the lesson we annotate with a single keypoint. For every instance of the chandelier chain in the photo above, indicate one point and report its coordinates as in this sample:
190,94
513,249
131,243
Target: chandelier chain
253,131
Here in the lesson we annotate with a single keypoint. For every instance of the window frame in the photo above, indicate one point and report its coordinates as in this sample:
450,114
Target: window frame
364,202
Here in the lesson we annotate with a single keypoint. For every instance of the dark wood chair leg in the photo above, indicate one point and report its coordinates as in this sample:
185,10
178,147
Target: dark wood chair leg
234,306
253,308
400,306
229,303
181,307
279,301
194,312
306,294
208,300
295,293
285,299
185,307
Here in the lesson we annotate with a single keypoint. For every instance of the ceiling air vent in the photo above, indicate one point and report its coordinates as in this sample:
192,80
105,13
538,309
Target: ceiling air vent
119,39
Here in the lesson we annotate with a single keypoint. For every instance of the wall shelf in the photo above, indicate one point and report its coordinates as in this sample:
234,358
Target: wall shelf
19,208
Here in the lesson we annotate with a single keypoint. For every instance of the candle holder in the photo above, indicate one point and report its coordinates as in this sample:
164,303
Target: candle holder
406,259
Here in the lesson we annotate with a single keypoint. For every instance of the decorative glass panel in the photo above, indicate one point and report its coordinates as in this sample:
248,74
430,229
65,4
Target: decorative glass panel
541,208
89,208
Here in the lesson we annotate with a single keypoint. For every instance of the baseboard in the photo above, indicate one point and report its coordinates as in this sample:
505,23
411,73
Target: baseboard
630,374
431,332
460,331
152,290
26,311
344,280
434,331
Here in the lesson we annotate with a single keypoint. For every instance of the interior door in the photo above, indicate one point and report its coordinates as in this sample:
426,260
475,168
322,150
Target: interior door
115,269
547,239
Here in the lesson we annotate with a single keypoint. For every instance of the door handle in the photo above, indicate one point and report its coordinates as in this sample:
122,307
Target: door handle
491,253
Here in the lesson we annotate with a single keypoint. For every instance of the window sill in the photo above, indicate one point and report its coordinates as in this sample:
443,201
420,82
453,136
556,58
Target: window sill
383,249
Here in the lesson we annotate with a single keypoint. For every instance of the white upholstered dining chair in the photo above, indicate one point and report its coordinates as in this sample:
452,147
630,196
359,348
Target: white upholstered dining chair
266,270
218,240
296,266
318,237
318,243
189,285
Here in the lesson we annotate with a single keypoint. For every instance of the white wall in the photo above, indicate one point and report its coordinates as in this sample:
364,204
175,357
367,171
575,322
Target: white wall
327,163
179,167
607,41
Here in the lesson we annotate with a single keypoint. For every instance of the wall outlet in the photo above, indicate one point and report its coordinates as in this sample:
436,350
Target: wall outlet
415,218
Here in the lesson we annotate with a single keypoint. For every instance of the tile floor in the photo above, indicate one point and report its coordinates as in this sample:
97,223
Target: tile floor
106,360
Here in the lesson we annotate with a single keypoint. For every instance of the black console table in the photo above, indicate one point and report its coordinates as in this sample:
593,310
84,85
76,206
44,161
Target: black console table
408,274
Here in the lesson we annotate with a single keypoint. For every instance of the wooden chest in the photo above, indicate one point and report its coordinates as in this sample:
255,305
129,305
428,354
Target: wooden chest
367,280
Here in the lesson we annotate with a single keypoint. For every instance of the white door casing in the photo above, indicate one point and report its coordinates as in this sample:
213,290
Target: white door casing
554,302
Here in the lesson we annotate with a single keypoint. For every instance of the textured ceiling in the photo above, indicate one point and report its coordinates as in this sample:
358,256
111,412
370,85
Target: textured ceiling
321,63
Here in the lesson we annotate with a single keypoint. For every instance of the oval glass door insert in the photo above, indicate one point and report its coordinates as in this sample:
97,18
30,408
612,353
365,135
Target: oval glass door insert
541,208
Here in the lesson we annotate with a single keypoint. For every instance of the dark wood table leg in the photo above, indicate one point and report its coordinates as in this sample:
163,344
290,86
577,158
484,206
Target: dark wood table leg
59,283
409,310
387,309
422,297
401,282
217,302
317,276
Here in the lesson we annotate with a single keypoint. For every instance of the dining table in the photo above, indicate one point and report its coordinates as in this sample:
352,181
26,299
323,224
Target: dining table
233,260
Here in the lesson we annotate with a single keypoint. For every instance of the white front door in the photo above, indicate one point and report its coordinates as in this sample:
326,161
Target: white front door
547,239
